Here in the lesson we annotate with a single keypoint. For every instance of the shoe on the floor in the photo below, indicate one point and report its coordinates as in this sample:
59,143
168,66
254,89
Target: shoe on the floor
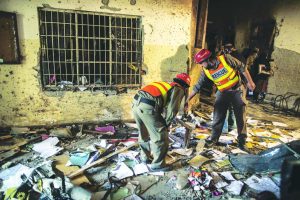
165,168
209,143
243,148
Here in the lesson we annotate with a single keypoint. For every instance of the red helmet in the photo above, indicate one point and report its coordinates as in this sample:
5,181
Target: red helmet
202,55
184,77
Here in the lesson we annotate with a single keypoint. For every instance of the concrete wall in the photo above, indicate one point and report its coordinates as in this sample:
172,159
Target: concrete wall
23,103
287,49
286,52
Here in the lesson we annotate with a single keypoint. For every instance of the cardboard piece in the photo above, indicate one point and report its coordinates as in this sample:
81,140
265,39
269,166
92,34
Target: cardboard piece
61,165
197,161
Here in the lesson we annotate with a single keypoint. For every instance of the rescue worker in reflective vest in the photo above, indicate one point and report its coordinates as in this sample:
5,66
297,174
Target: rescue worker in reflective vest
225,72
148,106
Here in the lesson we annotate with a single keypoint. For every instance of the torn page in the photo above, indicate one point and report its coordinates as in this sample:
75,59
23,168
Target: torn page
47,147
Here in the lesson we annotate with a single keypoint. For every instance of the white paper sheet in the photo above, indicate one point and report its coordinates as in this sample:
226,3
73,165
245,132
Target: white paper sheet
263,184
122,171
47,147
235,187
12,176
279,124
228,176
140,169
157,173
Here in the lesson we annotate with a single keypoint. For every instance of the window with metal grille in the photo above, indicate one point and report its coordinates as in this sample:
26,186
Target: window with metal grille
89,49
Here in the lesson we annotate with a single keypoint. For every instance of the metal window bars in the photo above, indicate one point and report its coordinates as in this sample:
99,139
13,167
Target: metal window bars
90,49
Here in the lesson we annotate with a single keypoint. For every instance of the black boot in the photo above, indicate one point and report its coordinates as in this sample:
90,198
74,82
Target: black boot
209,143
242,145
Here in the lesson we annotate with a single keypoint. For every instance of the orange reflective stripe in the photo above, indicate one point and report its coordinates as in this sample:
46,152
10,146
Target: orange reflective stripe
157,89
163,87
229,84
226,88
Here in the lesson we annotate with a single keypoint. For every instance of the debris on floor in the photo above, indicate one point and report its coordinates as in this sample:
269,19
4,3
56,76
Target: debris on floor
102,161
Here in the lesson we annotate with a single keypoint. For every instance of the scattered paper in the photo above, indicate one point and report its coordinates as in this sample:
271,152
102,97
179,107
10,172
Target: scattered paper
140,169
276,130
122,171
237,151
12,176
279,124
201,136
219,183
47,147
127,154
197,161
103,144
183,152
263,184
235,187
157,173
218,155
128,143
106,129
200,146
252,122
222,163
228,176
233,132
226,139
131,125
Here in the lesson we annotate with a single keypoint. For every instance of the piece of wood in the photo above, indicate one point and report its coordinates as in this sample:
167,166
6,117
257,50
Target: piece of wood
5,137
187,135
8,154
199,114
98,132
102,160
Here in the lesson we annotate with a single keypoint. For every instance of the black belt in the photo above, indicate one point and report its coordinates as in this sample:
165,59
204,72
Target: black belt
144,100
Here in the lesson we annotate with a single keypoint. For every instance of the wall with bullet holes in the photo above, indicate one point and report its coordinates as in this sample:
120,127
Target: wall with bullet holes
23,102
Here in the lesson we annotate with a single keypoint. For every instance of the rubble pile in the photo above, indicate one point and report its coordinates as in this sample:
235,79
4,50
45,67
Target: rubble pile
102,162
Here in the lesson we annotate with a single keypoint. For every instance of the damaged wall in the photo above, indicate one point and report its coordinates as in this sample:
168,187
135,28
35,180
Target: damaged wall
24,103
286,52
286,49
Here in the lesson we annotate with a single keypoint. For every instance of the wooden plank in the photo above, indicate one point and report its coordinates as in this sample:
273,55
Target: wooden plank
5,137
102,160
199,114
8,154
98,132
198,34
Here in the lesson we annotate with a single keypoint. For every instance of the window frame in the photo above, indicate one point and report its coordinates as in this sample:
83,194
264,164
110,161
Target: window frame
111,86
16,44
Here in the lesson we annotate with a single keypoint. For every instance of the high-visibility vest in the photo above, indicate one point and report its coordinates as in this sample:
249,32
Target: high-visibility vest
225,77
157,89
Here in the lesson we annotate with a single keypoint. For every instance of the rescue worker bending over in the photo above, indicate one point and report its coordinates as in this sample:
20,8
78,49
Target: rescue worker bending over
148,106
224,71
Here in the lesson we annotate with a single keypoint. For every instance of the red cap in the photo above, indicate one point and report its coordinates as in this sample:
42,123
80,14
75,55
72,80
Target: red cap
202,55
185,78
